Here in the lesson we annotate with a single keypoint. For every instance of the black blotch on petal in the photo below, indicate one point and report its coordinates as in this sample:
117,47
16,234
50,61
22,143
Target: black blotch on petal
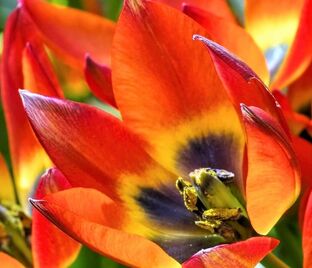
214,151
174,225
165,206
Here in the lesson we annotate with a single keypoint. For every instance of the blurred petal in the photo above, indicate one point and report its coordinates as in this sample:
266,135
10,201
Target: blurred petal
28,158
296,122
299,55
268,180
51,247
99,78
299,93
95,227
244,254
71,40
8,262
303,151
176,103
307,234
232,37
217,7
37,71
6,189
72,80
93,6
272,23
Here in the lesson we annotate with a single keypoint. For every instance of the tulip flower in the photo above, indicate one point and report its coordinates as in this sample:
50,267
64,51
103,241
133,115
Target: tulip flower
186,168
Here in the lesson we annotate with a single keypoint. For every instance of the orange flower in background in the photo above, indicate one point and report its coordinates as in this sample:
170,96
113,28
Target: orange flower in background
186,106
25,64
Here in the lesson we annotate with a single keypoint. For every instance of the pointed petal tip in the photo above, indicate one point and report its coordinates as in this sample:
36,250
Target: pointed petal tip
209,43
19,3
38,204
243,107
28,45
23,94
34,201
87,58
184,6
26,96
199,37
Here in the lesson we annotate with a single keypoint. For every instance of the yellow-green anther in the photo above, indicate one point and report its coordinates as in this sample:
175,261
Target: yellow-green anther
188,193
212,192
222,214
209,225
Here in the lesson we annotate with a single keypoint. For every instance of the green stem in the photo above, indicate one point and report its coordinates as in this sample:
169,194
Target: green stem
272,261
19,243
17,200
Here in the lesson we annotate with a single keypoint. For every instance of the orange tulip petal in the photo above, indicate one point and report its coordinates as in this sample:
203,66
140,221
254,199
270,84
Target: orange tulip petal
51,247
307,234
84,220
299,54
232,37
244,254
220,8
99,152
8,262
299,93
268,180
38,74
28,158
168,91
71,40
99,79
296,122
242,83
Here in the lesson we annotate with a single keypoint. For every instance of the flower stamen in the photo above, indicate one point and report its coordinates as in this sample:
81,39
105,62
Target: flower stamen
207,196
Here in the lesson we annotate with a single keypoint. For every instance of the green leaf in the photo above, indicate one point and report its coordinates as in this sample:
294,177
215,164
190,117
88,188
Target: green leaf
4,145
112,8
6,7
287,230
88,258
238,8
